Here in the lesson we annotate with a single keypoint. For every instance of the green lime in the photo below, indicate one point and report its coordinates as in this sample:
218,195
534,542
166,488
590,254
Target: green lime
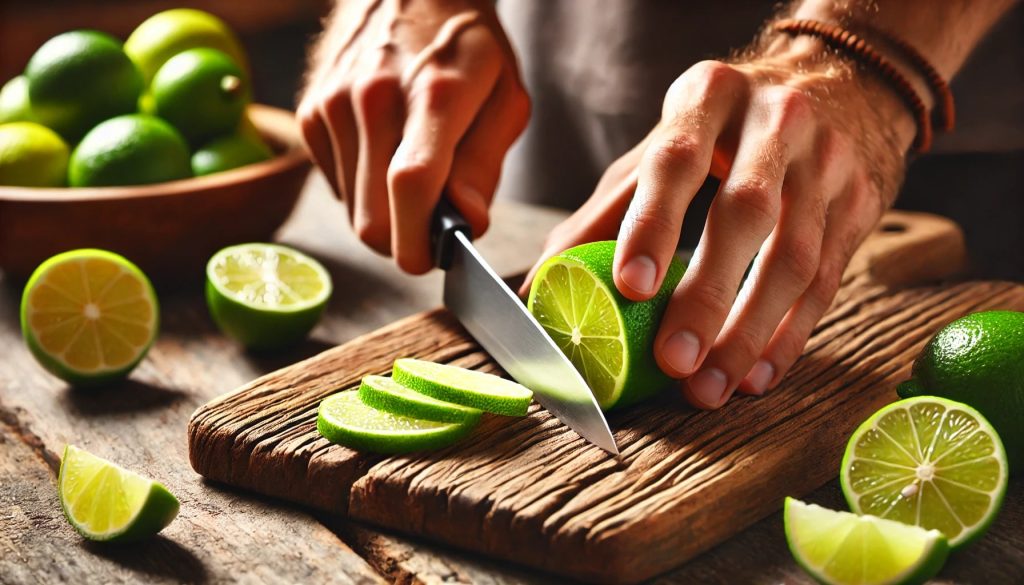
14,103
608,337
89,316
345,419
470,388
841,548
78,79
104,501
927,461
229,152
202,92
265,295
386,394
170,32
32,156
134,149
979,360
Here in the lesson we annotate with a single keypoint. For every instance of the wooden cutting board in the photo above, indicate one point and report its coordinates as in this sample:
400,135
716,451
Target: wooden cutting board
530,491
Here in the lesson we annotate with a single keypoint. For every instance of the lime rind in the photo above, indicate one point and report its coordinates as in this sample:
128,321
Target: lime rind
386,394
470,388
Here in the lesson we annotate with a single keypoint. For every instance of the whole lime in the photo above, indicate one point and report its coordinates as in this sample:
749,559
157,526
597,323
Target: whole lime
79,79
979,360
135,149
229,152
202,92
170,32
32,155
14,103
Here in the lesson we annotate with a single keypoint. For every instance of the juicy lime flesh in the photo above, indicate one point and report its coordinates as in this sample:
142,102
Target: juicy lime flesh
269,277
92,314
100,497
347,409
580,316
927,462
847,548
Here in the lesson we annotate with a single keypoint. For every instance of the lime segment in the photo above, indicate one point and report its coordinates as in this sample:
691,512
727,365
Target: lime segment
470,388
345,419
843,548
927,461
106,502
386,394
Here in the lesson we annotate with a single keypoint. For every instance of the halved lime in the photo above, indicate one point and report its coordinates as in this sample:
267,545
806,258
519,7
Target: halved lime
345,419
470,388
266,295
605,335
386,394
927,461
843,548
89,316
104,501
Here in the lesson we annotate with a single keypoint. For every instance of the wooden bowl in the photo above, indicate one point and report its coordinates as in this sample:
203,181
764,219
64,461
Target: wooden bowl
168,229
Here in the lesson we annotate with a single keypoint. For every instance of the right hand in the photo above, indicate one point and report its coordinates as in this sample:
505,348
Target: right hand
405,100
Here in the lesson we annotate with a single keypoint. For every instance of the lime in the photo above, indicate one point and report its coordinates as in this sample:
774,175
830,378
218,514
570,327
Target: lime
104,501
80,78
134,149
979,360
386,394
32,156
608,337
14,103
202,92
927,461
345,419
266,295
229,152
89,316
170,32
470,388
842,548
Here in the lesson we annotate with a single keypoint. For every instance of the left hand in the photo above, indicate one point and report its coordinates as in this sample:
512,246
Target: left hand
810,153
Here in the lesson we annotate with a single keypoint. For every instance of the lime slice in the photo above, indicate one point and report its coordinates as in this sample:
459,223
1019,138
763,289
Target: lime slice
927,461
265,295
605,335
89,316
470,388
345,419
386,394
842,548
106,502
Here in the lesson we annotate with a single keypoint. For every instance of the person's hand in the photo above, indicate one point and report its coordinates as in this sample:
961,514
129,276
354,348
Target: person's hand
810,154
405,100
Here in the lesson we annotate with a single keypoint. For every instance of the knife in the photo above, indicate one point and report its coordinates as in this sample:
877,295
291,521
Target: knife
503,326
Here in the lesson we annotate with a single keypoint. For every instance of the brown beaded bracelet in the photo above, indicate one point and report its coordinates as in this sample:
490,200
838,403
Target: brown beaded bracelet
857,48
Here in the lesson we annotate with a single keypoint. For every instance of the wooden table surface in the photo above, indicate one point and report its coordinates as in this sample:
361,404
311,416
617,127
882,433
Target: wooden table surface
225,535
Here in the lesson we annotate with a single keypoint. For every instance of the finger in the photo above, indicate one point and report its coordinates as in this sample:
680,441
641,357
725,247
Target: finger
378,104
340,121
671,171
318,141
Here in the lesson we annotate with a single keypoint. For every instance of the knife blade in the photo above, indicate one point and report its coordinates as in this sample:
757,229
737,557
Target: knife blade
503,326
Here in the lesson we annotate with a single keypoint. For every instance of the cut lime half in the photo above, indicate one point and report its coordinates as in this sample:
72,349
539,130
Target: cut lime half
345,419
104,501
470,388
386,394
843,548
927,461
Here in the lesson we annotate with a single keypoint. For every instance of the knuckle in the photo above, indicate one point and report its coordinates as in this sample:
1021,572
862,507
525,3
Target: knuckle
649,221
370,92
677,149
745,343
791,344
407,177
441,88
800,259
755,201
789,105
711,296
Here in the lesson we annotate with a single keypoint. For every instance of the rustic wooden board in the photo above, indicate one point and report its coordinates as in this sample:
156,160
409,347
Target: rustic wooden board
530,491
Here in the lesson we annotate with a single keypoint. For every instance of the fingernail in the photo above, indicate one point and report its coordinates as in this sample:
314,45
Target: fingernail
760,376
681,351
708,387
639,274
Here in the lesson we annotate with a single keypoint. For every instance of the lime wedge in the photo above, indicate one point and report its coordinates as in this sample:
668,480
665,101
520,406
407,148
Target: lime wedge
386,394
89,316
345,419
266,295
470,388
842,548
927,461
106,502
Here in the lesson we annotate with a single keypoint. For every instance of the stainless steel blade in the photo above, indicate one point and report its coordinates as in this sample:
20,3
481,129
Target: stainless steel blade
499,321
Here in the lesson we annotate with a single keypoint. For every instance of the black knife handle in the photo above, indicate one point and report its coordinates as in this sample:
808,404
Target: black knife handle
446,221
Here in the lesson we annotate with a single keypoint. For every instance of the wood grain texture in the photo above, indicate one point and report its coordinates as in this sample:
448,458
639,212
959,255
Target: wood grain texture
530,491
